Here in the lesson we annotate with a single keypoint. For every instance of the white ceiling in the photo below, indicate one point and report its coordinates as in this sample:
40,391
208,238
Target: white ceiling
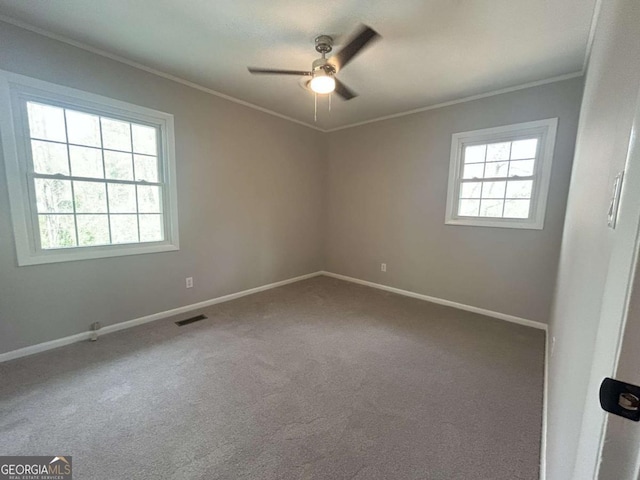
432,51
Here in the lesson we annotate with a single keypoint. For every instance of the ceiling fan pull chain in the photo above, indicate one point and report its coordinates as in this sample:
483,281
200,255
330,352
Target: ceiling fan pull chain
315,105
330,95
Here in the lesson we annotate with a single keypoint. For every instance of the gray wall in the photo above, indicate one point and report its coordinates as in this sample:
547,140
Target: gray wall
611,86
262,199
387,190
250,196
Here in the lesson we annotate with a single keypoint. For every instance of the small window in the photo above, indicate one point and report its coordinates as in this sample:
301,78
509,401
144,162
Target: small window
89,176
499,177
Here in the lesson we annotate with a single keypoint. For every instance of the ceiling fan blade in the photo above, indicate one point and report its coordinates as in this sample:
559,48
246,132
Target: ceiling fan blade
345,92
272,71
364,36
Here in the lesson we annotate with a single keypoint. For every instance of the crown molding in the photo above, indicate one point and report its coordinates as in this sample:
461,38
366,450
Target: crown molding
471,98
188,83
140,66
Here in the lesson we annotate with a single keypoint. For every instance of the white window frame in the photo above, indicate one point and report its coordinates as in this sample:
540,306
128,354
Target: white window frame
15,91
545,131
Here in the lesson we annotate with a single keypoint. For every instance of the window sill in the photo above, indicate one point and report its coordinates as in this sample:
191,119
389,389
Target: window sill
88,253
496,223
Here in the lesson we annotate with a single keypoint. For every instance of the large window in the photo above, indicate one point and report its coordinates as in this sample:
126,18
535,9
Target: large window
89,177
499,177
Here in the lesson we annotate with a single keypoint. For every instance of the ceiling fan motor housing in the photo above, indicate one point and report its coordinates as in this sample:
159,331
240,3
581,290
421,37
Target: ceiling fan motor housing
322,63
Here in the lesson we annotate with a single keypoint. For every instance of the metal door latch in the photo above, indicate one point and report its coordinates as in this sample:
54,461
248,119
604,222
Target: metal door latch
629,401
620,398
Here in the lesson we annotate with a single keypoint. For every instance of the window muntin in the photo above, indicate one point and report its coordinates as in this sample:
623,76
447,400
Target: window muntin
96,179
499,177
88,176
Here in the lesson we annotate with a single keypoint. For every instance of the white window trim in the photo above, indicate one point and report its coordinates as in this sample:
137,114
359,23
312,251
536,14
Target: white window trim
14,89
545,130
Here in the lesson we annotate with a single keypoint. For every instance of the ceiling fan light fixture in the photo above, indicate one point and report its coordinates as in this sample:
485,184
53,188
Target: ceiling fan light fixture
322,83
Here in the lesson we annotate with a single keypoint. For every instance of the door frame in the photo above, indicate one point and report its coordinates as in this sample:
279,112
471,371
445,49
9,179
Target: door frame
614,312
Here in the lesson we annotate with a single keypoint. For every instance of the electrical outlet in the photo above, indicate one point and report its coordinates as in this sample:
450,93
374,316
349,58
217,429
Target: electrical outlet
383,267
189,281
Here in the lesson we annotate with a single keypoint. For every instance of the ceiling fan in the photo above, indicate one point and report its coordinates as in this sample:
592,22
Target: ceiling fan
323,69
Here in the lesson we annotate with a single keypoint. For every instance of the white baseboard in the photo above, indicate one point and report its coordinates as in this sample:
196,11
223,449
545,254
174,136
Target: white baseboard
41,347
79,337
545,396
440,301
60,342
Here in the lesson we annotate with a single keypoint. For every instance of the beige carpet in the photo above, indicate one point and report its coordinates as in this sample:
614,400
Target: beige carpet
320,379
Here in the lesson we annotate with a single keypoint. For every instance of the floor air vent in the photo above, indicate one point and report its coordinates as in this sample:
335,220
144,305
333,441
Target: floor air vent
197,318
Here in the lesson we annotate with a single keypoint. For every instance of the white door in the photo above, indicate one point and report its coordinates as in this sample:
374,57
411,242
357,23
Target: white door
609,447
